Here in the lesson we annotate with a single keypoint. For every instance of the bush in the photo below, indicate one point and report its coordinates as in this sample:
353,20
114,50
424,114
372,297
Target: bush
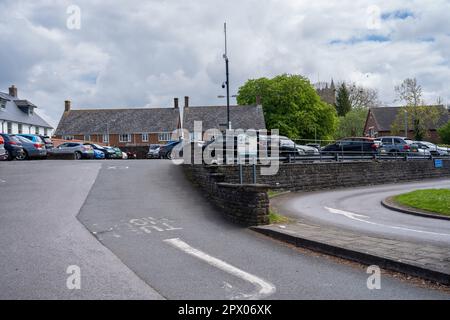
444,133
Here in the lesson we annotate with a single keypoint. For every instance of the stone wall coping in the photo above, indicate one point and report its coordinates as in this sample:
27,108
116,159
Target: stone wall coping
247,186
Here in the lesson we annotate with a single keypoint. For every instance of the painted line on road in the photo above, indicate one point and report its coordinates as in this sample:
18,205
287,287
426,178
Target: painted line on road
265,288
359,217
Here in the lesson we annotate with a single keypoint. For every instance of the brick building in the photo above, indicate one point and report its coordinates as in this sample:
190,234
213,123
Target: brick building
379,122
138,127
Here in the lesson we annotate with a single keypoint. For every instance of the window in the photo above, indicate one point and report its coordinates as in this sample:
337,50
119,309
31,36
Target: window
145,137
87,137
398,141
20,129
9,127
45,132
36,130
164,136
125,137
2,104
105,138
386,141
67,137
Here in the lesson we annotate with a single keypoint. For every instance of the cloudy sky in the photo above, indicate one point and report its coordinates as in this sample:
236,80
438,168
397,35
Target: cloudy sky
133,53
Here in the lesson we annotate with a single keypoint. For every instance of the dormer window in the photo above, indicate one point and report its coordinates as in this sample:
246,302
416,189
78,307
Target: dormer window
3,104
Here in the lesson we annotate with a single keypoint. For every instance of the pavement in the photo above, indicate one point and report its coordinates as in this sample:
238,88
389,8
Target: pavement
353,224
143,231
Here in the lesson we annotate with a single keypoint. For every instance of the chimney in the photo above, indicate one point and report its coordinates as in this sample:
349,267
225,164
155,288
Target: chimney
13,91
186,102
67,105
175,103
258,100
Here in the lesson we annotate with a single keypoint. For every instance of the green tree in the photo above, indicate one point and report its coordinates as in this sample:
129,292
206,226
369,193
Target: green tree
416,115
292,106
352,124
444,133
343,104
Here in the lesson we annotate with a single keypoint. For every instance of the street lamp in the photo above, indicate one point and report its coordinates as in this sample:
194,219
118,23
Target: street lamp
227,83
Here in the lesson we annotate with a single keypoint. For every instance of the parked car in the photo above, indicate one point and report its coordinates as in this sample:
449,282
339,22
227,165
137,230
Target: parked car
153,151
3,154
48,142
99,154
32,149
286,147
13,147
352,146
98,148
307,150
165,152
124,155
393,145
77,149
131,155
416,150
110,152
32,137
432,148
118,152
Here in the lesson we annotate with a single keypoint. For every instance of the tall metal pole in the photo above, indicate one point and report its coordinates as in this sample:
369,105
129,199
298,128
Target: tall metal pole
406,123
225,56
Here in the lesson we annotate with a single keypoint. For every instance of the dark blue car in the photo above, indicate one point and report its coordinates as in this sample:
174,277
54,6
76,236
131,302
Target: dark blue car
13,146
165,152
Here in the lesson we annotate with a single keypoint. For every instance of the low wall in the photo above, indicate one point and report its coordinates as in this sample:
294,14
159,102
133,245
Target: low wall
245,204
248,204
332,175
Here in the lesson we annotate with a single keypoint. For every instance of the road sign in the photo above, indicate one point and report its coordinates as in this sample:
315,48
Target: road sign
438,163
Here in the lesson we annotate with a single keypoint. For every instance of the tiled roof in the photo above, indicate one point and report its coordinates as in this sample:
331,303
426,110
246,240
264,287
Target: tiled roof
241,117
134,120
13,111
117,121
385,116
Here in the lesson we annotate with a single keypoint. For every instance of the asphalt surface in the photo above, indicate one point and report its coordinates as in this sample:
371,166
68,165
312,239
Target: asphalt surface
154,232
360,210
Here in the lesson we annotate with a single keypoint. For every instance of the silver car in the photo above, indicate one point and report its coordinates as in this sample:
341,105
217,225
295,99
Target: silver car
78,150
432,148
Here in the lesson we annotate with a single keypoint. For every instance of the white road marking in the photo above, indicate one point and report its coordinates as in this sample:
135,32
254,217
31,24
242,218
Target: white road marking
2,181
359,217
264,288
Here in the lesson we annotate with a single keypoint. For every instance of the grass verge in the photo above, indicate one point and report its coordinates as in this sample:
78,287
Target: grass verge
432,200
274,217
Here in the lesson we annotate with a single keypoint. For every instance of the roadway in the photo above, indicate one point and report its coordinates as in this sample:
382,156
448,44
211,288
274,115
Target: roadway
151,235
360,210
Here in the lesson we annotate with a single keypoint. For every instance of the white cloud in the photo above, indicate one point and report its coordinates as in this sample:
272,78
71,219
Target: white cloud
143,54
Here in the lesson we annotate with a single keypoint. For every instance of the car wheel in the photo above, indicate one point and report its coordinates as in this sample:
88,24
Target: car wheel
77,155
22,156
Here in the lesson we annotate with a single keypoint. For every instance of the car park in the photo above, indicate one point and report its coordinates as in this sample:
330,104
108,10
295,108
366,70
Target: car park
13,147
31,149
3,154
77,149
352,146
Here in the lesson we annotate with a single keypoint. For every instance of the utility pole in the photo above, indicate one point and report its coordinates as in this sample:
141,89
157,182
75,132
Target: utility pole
406,123
225,56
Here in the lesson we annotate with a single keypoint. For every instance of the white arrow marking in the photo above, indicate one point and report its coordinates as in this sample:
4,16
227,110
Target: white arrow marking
2,181
265,288
359,217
